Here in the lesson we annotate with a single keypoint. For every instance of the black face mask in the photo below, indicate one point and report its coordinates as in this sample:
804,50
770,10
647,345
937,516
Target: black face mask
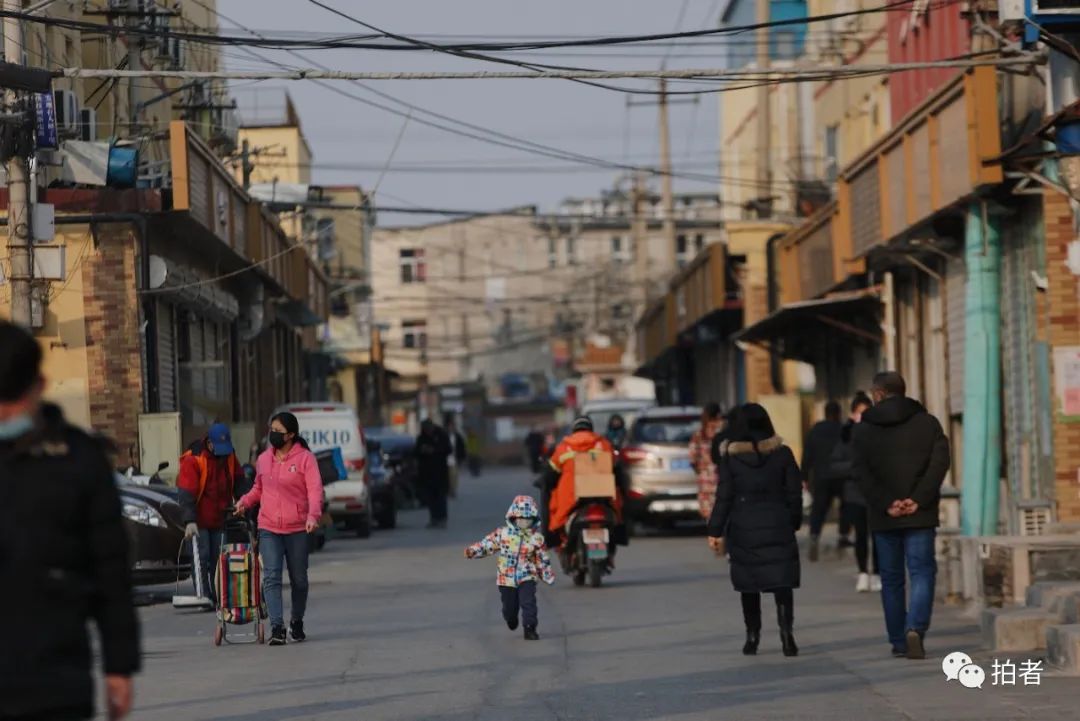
277,439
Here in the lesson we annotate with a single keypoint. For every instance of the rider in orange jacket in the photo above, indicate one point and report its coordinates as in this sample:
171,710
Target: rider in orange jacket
559,498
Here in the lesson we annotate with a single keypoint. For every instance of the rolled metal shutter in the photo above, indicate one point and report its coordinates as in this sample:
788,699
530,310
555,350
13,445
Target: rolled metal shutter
955,289
166,349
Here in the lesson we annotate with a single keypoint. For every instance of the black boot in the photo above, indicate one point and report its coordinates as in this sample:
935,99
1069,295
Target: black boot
753,638
785,617
531,634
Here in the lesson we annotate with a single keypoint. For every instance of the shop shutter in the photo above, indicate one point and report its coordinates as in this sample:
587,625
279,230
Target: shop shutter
166,328
955,289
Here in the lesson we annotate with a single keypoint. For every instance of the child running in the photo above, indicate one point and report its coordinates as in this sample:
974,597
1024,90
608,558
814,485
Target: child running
523,560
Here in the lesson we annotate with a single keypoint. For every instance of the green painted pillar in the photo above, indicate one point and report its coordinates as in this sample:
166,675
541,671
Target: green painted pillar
982,374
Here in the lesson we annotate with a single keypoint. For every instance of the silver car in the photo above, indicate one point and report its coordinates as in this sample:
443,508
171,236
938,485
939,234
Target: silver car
663,484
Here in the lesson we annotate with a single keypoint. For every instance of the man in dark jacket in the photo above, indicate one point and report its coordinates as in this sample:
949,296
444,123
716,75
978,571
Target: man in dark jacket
900,458
824,485
433,453
63,554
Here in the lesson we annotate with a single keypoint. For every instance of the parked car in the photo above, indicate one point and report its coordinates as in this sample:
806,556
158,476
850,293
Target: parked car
601,411
381,484
348,497
152,520
398,457
663,485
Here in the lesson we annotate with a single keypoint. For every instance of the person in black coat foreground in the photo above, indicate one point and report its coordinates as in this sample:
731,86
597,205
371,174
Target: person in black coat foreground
63,554
758,510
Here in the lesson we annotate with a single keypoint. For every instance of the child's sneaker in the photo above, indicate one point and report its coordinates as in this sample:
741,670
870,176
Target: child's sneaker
512,624
531,634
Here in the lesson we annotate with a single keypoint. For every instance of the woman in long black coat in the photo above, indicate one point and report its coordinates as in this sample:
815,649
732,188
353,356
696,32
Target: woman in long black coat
758,510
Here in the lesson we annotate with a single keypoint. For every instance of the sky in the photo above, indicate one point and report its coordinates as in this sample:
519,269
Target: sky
553,112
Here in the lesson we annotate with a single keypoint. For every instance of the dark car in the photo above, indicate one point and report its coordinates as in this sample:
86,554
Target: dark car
381,482
152,519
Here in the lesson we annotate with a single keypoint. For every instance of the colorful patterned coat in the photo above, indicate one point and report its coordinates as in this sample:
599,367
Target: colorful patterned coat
521,554
701,458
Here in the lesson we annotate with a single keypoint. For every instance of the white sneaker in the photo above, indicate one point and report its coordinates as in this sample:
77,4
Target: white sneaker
862,583
875,583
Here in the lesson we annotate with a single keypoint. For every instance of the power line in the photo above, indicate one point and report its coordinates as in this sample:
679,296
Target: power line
709,74
362,42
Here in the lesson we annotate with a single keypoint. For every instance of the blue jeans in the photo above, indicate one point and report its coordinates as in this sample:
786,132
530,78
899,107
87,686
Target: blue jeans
209,549
276,550
915,546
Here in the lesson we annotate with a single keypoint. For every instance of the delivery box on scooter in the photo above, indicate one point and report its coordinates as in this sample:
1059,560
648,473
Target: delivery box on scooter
594,474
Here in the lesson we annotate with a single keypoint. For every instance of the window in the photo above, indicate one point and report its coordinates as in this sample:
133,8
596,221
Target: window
413,265
553,253
681,250
699,243
832,153
571,250
620,250
414,334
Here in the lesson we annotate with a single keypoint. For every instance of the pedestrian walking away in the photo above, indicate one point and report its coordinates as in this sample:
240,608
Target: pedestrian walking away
534,450
701,457
208,478
757,512
288,490
63,554
900,459
825,487
458,457
854,505
433,453
523,561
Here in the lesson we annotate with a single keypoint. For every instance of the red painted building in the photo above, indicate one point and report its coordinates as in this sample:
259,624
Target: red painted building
923,32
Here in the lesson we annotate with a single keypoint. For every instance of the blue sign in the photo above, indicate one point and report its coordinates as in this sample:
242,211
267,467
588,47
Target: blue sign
45,128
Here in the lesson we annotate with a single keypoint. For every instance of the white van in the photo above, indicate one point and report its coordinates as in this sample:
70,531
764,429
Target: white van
331,425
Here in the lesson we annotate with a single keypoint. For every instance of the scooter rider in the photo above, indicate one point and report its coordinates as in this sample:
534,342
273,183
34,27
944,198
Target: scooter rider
559,500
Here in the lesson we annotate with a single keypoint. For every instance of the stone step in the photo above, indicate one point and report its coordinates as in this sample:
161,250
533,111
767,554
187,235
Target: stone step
1063,647
1057,597
1016,629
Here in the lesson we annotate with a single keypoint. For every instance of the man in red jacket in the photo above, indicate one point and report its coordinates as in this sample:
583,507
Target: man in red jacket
207,480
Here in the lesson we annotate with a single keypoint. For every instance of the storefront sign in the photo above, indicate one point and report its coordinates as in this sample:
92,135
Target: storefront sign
45,110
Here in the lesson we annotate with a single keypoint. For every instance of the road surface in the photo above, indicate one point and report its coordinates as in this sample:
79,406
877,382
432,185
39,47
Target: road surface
401,626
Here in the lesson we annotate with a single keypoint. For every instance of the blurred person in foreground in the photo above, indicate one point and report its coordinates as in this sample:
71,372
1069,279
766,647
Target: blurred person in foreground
712,422
63,554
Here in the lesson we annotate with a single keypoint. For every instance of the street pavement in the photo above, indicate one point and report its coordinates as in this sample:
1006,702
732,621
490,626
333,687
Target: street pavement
401,626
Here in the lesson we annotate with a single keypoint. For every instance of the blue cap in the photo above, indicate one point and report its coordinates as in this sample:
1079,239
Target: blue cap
220,436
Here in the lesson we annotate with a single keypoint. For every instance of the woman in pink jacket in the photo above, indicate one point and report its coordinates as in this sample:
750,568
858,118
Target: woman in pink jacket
289,488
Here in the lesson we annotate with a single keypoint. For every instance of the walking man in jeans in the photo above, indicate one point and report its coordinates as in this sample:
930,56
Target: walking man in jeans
900,459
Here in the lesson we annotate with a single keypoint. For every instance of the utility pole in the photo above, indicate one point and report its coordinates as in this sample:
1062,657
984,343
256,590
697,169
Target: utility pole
639,233
764,115
246,166
665,179
18,179
133,63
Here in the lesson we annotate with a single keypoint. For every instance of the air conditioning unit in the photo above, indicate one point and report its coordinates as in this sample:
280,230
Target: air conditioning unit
88,124
67,111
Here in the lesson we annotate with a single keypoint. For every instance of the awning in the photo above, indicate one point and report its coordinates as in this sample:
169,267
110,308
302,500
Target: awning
798,330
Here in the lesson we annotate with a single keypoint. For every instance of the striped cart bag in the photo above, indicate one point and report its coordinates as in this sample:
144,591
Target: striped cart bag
240,582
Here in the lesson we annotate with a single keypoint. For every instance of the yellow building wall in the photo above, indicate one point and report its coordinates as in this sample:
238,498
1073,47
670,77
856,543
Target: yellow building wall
63,337
281,153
